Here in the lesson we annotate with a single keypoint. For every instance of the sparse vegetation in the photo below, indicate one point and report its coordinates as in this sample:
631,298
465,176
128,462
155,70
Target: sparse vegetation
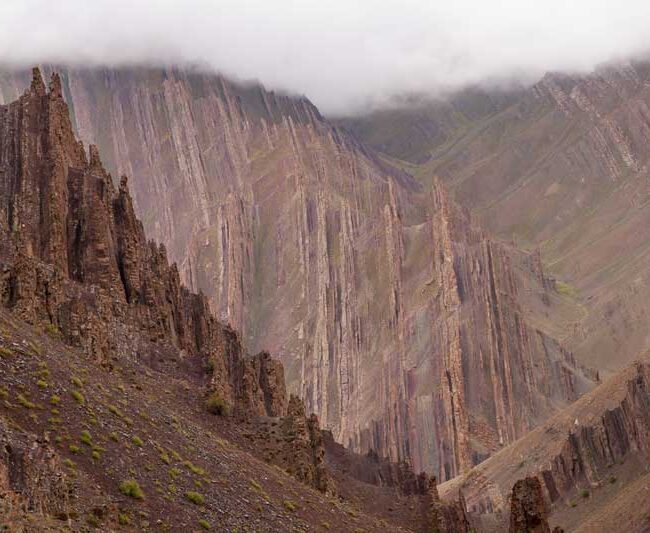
42,384
289,505
5,353
52,330
131,488
195,497
86,438
137,441
565,289
78,397
204,524
74,448
124,519
25,402
216,405
612,480
55,400
584,493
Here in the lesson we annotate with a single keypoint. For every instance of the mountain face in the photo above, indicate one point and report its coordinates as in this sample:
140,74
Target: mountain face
403,326
96,327
564,168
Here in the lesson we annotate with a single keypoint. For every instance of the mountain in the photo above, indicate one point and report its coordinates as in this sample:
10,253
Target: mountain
404,326
124,403
564,169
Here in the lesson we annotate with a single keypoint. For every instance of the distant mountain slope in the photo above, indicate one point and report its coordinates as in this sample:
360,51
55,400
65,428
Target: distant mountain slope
565,168
402,325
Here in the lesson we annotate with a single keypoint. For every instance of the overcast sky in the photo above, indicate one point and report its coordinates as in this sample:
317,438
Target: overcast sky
342,54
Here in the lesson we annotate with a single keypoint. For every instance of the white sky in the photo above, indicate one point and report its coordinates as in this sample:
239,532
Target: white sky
342,54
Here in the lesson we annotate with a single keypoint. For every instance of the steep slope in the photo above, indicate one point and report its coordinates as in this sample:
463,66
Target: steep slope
564,168
96,328
589,458
405,328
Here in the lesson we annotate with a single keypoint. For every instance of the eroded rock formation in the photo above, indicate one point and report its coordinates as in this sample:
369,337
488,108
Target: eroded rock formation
528,509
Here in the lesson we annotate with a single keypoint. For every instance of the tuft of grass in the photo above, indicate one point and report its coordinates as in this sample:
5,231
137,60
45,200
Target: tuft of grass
79,398
131,488
216,405
25,402
124,519
194,469
5,353
55,400
69,463
77,382
195,497
42,384
137,441
114,410
289,505
165,458
174,473
204,524
74,448
113,436
584,493
96,455
86,438
565,289
52,330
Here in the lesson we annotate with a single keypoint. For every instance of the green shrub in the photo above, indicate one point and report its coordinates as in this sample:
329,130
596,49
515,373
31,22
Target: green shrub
113,436
216,405
79,398
174,473
289,505
210,366
52,330
5,353
124,519
131,488
42,384
195,497
69,463
55,400
584,493
114,410
74,448
137,441
195,469
96,455
25,402
86,438
204,524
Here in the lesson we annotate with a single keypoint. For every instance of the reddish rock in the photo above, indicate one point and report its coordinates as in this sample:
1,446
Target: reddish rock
528,508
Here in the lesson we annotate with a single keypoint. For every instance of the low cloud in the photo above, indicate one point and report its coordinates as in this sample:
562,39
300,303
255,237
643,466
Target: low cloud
343,54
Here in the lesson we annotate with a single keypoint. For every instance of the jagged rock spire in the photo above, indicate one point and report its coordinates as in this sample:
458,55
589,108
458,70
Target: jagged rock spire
38,85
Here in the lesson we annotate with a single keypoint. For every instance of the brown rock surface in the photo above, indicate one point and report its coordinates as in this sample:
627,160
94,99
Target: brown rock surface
403,327
528,509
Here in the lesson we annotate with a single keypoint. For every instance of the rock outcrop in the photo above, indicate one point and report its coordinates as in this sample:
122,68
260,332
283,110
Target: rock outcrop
398,322
528,509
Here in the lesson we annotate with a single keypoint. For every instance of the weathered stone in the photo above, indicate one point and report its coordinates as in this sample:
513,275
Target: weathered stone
528,508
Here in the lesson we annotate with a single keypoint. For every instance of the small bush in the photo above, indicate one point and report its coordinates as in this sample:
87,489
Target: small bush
204,524
86,437
195,497
131,488
124,519
216,405
584,493
195,469
69,463
55,400
79,398
52,330
137,441
5,353
612,480
74,448
96,455
114,410
165,458
42,384
113,436
25,402
174,473
289,505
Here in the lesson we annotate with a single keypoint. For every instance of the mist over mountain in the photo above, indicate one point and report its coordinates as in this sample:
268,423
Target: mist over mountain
344,56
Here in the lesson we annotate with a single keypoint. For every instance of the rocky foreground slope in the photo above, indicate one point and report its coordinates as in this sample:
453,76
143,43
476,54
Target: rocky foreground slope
124,404
403,326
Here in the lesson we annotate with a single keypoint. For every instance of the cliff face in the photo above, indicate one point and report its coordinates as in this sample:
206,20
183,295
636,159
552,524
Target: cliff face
562,167
398,322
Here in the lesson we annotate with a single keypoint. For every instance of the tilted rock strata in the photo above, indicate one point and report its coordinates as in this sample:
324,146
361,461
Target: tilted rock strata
577,451
397,322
